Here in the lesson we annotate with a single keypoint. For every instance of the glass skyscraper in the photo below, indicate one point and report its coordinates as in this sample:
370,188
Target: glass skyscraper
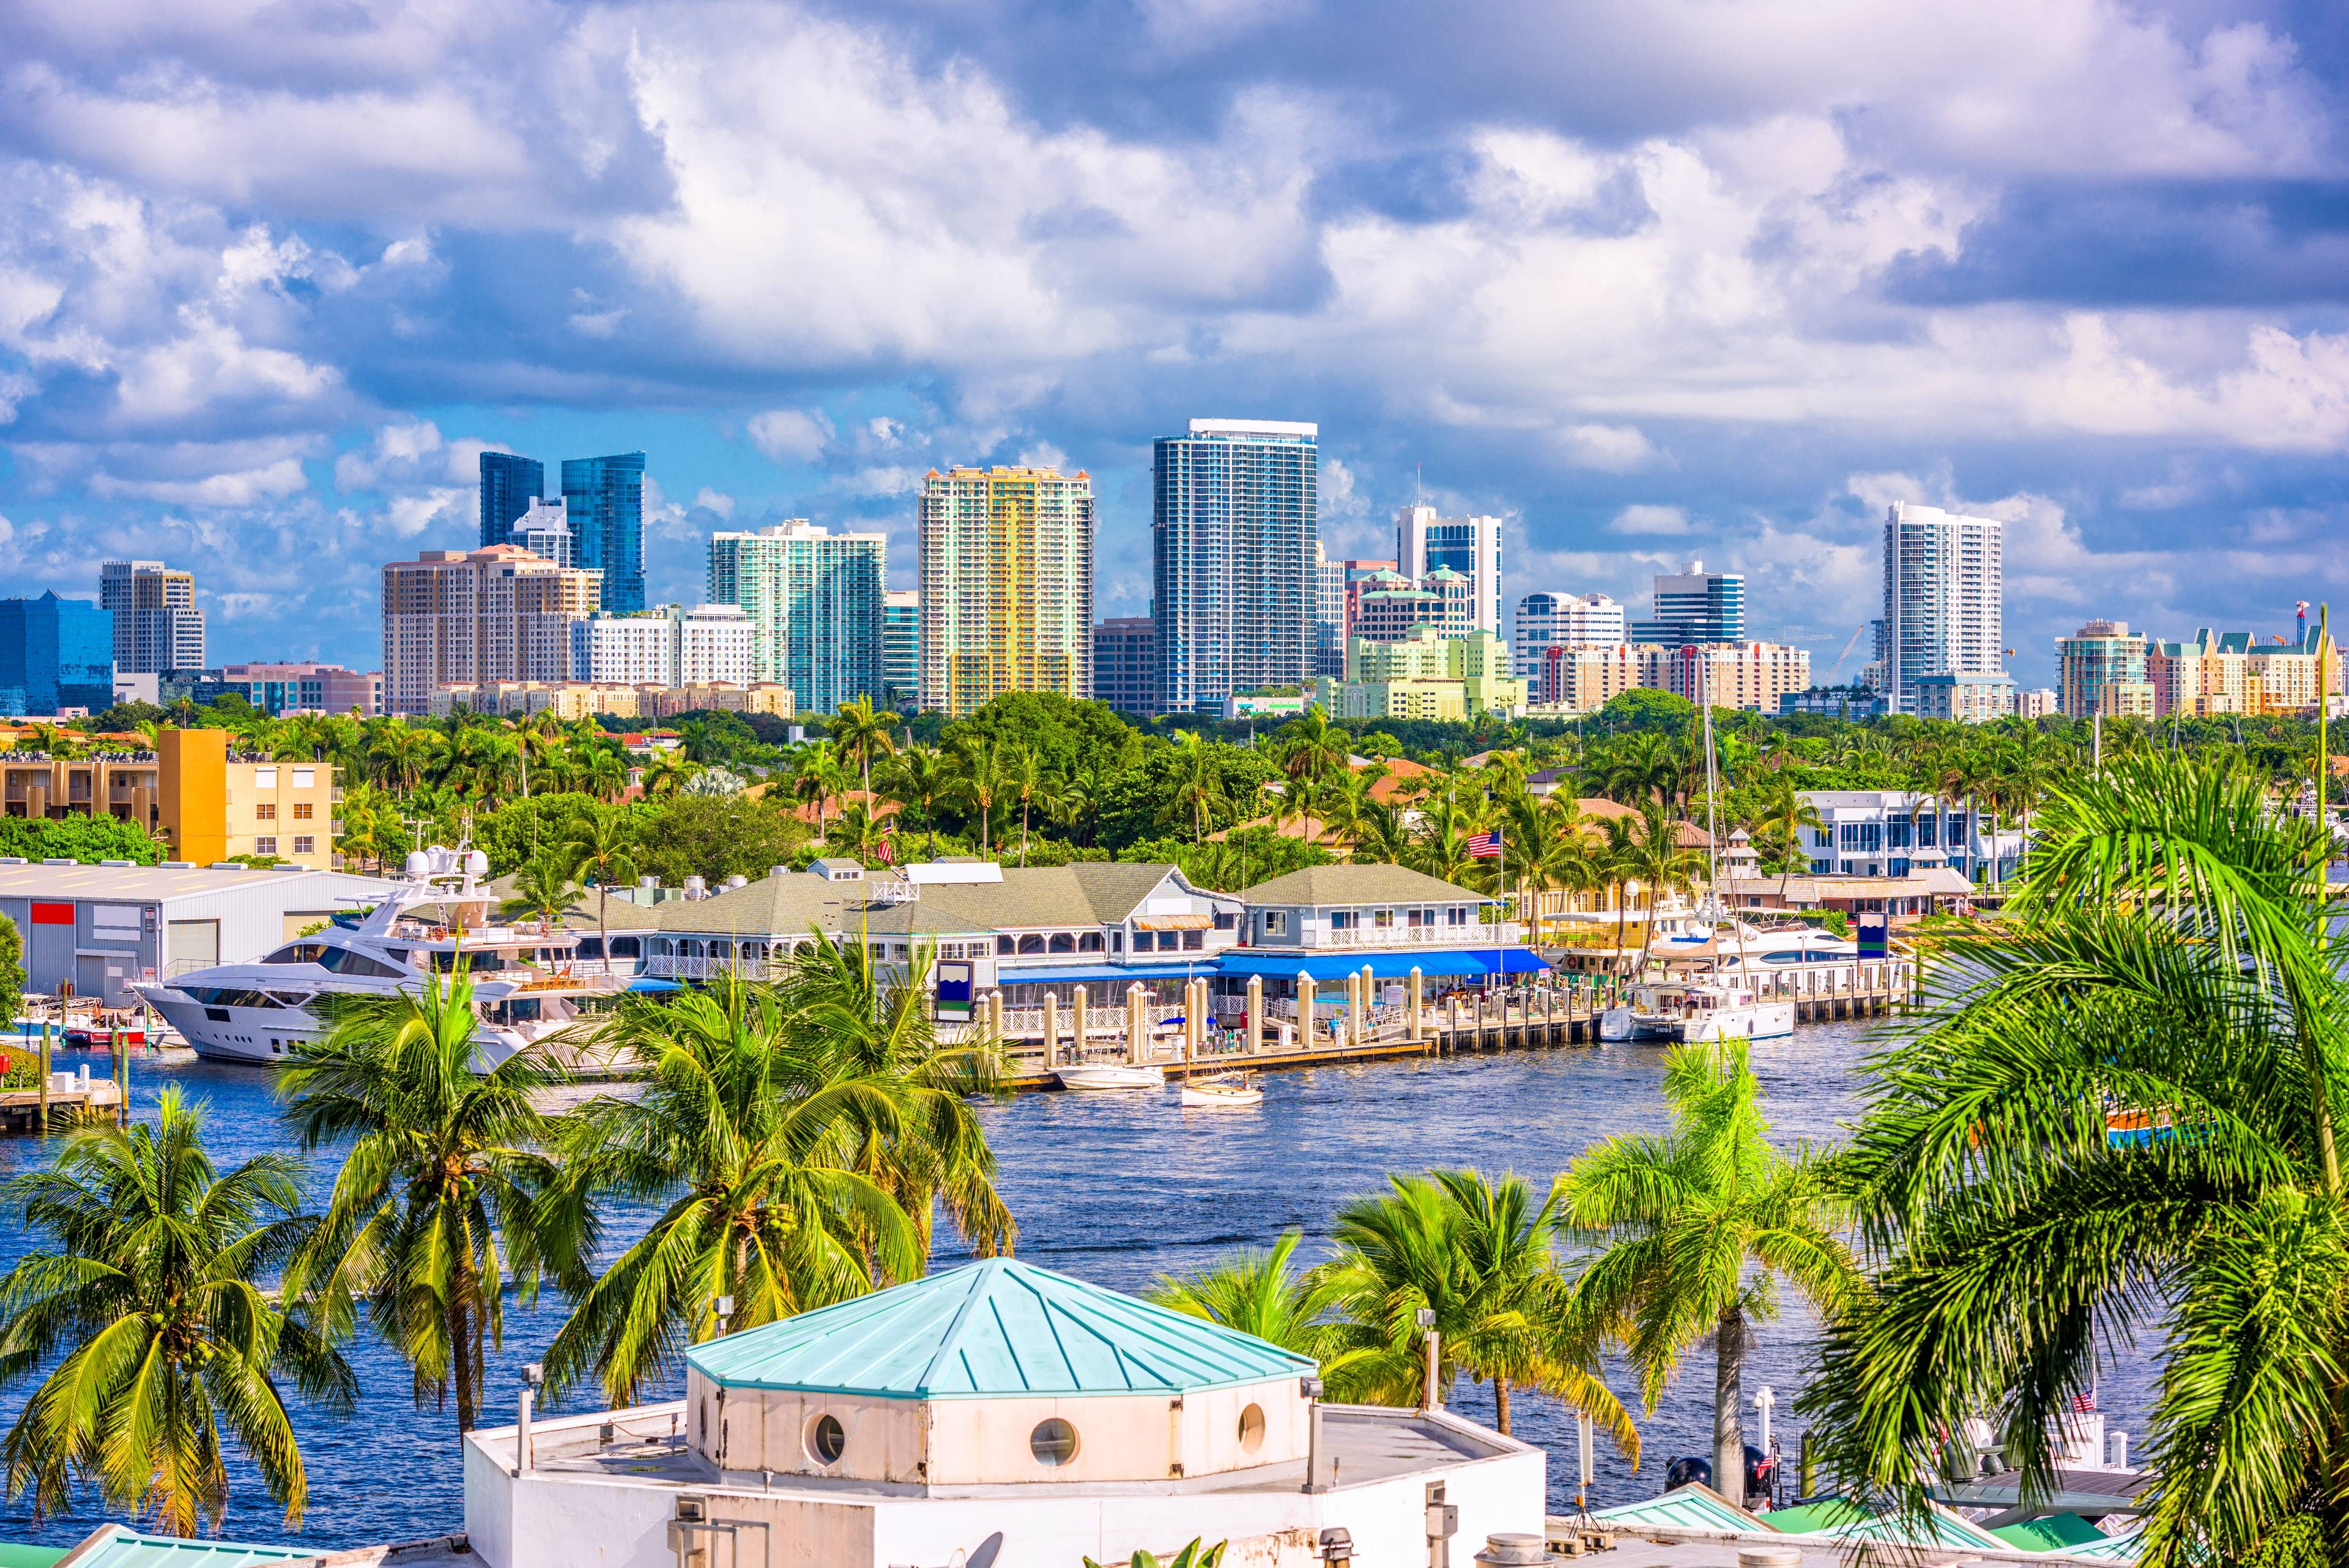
1233,521
1695,607
55,654
900,646
509,485
606,498
816,600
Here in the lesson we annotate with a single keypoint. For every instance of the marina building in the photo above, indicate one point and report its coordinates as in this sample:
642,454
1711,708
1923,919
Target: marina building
1233,522
1544,621
901,647
511,485
1470,546
997,1413
2100,669
814,599
1694,606
1007,585
603,498
157,626
1944,584
57,657
458,618
1125,665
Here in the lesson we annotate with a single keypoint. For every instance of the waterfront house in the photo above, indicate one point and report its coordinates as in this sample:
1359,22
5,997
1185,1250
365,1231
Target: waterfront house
1886,833
997,1414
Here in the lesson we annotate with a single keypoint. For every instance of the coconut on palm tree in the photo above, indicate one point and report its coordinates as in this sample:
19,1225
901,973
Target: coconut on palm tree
154,1312
431,1215
1476,1254
2120,1124
1697,1229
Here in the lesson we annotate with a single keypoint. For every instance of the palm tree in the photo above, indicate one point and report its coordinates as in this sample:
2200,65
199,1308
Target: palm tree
1261,1294
1683,1218
920,781
1661,863
431,1214
1313,748
672,770
1030,786
1617,857
1477,1254
157,1300
981,779
1787,811
603,849
1198,783
859,731
761,1207
543,887
2169,963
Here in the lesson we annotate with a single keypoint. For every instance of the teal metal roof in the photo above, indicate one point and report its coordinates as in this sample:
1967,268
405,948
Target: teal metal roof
112,1546
1942,1527
996,1327
2125,1547
1688,1507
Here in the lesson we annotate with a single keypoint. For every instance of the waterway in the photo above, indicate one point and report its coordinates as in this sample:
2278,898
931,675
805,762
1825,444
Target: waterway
1119,1189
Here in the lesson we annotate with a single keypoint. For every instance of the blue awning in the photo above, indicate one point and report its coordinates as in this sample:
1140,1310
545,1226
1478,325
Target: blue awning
1433,964
648,983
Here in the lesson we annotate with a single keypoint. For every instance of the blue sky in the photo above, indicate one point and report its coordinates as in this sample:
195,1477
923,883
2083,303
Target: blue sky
1652,278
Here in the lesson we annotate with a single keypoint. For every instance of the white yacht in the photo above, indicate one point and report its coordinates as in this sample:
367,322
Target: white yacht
528,982
1699,1009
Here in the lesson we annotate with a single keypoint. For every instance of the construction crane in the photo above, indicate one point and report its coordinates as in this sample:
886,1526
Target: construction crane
1837,668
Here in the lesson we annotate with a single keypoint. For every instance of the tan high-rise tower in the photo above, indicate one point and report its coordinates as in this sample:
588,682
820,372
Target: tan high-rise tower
454,617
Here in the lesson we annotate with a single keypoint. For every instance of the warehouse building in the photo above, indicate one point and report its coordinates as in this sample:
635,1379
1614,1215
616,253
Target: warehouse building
99,929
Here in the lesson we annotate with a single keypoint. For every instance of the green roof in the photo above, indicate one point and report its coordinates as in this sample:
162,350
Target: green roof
996,1327
1691,1507
2056,1532
112,1546
2125,1547
1338,885
15,1554
1838,1519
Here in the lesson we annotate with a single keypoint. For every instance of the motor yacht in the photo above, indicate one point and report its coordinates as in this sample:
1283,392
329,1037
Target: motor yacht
1101,1076
1705,1010
528,984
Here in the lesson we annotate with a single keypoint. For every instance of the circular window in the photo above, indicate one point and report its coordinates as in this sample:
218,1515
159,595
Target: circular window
826,1439
1053,1442
1252,1429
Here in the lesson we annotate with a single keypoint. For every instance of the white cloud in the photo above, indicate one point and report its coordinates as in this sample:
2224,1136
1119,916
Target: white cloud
1650,520
708,499
797,434
1617,448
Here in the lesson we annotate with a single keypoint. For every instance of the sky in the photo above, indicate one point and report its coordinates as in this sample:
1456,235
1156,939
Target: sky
1654,280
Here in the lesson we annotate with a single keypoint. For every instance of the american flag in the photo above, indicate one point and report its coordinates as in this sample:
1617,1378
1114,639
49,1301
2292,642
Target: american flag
2084,1404
1485,846
888,846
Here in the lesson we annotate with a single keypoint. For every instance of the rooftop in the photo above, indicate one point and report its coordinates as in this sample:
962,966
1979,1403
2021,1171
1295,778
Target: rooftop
995,1327
1319,885
148,882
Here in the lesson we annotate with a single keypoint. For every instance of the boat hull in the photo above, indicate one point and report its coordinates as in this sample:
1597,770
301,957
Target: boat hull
1099,1077
1764,1021
1615,1023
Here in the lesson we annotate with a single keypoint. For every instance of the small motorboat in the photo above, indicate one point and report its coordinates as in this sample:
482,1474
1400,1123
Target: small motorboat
1097,1075
1223,1089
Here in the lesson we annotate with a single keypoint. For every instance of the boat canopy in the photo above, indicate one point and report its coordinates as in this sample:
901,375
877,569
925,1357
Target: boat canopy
1384,964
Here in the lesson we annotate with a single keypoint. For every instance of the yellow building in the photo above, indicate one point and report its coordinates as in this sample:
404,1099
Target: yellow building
215,808
2126,699
2220,674
1007,585
1426,675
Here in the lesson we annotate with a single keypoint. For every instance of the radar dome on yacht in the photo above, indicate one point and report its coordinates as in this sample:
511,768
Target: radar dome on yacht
477,864
418,863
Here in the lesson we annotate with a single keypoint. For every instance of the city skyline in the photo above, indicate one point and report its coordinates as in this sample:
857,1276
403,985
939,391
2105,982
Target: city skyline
1641,291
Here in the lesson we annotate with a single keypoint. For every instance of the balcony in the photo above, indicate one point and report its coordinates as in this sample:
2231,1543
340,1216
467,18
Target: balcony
1468,936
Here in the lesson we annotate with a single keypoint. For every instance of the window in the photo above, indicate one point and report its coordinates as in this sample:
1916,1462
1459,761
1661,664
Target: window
1064,943
1091,942
1275,922
826,1441
265,812
1194,942
1053,1442
304,811
1031,944
264,846
1382,919
304,778
304,845
1251,1428
265,778
1345,919
1456,916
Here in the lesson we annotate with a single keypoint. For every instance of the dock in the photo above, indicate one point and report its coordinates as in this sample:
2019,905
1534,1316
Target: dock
71,1099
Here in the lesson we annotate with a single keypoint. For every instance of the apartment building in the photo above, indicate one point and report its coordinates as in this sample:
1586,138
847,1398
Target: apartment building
2100,669
1944,588
814,599
157,626
1760,676
461,618
1125,665
1426,675
900,646
1234,520
1007,585
2219,673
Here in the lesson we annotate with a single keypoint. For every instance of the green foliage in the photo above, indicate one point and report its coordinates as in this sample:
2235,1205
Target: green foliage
713,837
1645,709
519,829
1066,736
1190,1556
1141,801
1251,854
2297,1542
122,719
12,964
88,839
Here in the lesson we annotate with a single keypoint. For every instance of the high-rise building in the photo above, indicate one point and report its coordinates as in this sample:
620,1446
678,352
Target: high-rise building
1428,674
1330,621
454,617
510,483
1233,521
157,628
1443,599
55,654
1754,675
2100,669
545,531
306,686
1007,585
713,643
1544,621
633,649
814,599
1125,665
1943,600
1469,545
2220,674
605,497
1695,605
900,646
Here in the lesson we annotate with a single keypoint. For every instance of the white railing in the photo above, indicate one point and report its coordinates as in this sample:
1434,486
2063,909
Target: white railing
661,966
1099,1021
1496,935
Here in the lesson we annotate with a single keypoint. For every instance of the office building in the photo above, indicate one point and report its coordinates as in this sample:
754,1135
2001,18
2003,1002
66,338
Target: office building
1330,621
1470,546
814,599
2102,654
1007,585
1943,596
158,629
1232,526
1694,606
1443,599
1544,621
1854,704
901,647
1424,675
545,531
510,483
452,616
1751,675
306,686
604,498
1125,665
56,656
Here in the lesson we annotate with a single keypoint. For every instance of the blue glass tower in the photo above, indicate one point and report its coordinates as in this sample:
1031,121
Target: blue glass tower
605,497
54,654
509,485
1234,520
